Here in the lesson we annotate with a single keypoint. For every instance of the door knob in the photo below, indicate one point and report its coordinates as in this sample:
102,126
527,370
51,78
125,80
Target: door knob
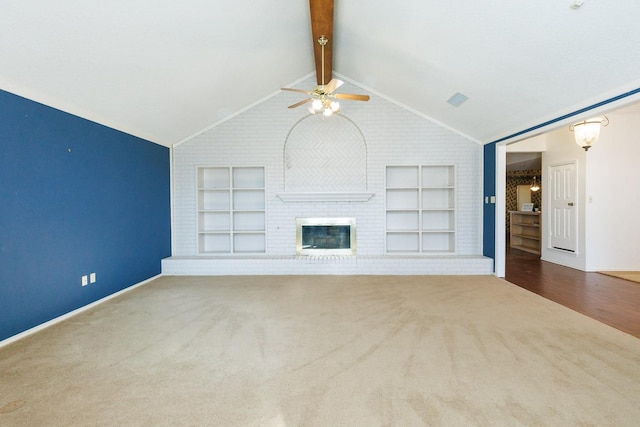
570,203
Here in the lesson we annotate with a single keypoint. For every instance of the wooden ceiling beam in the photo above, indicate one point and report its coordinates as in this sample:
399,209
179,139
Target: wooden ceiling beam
322,25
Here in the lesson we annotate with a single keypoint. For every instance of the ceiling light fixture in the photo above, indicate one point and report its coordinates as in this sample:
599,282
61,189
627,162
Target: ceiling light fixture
323,98
587,132
534,185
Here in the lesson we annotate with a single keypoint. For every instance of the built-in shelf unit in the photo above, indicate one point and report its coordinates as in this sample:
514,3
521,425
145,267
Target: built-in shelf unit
525,231
420,209
231,210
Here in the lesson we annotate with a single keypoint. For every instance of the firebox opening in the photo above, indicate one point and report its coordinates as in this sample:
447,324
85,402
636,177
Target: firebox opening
325,236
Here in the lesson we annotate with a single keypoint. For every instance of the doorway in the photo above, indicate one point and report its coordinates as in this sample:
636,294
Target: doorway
562,217
522,168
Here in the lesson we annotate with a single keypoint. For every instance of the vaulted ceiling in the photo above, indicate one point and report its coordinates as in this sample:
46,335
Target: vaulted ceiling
164,70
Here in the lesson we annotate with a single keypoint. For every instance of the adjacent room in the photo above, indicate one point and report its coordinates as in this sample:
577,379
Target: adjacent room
321,213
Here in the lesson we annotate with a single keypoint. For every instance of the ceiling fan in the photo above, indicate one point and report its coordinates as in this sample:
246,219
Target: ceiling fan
323,98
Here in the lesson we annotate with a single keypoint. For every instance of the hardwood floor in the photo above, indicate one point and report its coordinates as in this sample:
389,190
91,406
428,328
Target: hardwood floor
613,301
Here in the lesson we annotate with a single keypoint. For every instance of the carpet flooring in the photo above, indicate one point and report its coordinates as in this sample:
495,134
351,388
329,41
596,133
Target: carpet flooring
323,351
634,276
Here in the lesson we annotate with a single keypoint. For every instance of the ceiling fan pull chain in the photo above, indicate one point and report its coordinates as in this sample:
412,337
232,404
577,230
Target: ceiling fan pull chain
323,41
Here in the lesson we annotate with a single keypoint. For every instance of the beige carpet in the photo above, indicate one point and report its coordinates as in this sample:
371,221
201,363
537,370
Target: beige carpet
634,276
324,351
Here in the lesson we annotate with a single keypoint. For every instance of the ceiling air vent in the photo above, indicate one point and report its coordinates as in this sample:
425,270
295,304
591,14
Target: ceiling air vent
457,99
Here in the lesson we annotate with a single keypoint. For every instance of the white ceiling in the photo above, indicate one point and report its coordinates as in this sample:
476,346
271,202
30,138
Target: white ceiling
164,70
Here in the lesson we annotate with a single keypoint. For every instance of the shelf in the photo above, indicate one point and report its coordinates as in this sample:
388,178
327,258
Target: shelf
526,249
402,220
438,198
405,199
248,199
214,243
420,209
441,241
401,188
434,176
525,231
214,178
248,177
243,221
402,176
524,236
325,197
214,200
249,242
214,221
403,242
231,210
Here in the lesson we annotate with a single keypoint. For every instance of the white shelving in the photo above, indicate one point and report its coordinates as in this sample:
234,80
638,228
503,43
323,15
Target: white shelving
420,209
231,210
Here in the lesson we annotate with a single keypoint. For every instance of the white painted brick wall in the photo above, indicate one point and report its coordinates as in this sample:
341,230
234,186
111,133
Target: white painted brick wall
393,135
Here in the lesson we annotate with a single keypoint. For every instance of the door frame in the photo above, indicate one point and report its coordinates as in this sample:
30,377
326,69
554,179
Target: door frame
632,95
500,259
548,220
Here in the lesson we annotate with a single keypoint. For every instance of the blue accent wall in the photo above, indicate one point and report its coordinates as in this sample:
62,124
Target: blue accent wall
489,211
76,197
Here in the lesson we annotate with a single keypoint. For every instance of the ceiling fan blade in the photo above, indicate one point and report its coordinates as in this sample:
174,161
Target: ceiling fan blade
351,96
290,89
297,104
333,85
322,25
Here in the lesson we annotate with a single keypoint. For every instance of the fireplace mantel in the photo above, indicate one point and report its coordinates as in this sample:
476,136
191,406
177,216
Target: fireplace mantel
348,196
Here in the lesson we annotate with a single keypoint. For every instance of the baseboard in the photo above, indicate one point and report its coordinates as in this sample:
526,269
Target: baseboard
70,314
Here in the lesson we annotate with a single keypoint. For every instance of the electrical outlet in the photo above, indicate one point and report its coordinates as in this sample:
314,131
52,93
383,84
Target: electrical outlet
85,280
92,278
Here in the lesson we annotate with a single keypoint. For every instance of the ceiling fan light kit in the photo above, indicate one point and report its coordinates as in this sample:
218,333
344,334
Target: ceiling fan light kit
322,98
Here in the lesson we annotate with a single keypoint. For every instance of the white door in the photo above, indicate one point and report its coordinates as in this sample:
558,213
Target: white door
563,211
